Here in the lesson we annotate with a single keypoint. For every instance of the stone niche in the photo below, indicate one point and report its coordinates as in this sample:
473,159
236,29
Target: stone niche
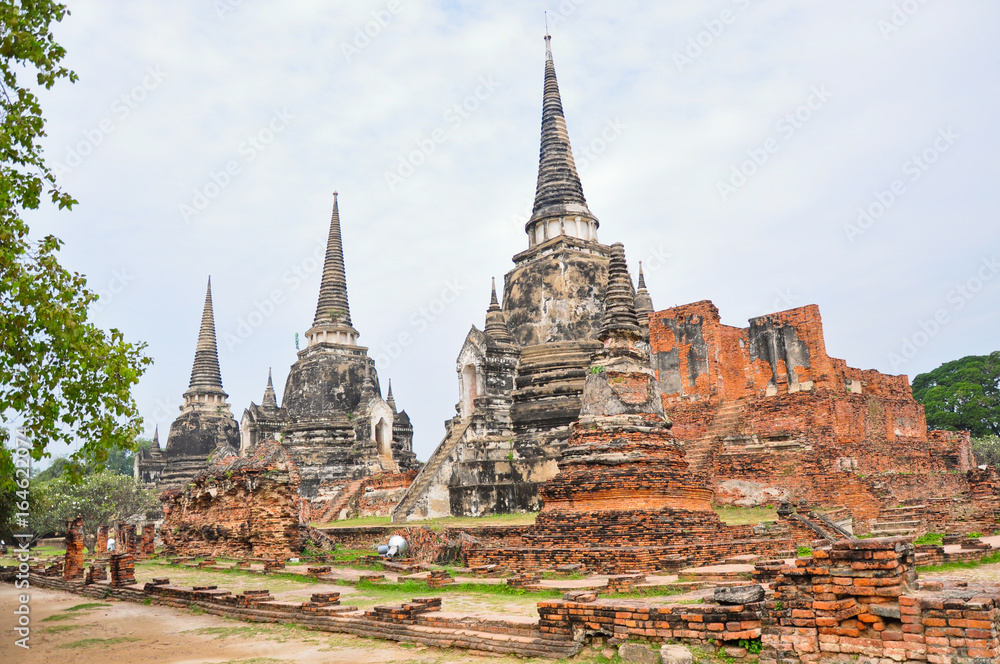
242,506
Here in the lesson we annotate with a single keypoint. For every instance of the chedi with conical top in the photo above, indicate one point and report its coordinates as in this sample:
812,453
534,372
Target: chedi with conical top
332,418
206,426
521,377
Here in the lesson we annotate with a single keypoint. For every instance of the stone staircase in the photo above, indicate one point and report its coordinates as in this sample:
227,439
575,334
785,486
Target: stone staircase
725,423
897,521
335,507
428,475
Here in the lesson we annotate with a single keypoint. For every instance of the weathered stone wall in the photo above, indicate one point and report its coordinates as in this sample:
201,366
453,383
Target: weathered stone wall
240,507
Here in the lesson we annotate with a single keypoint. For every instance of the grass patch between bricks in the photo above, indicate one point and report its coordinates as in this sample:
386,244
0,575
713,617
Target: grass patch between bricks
742,516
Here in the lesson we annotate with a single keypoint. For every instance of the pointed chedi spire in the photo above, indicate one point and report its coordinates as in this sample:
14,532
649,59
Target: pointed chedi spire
206,379
270,401
643,301
496,323
156,439
619,301
389,399
332,323
560,207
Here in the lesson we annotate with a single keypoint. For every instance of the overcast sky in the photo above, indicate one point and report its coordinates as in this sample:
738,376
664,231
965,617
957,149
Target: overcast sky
206,138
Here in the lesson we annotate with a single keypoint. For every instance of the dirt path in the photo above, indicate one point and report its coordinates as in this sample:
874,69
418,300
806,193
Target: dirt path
137,634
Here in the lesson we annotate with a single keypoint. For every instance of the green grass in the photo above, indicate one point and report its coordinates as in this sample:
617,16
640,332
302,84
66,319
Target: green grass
743,516
991,559
59,616
930,539
84,607
409,588
226,632
69,614
87,643
804,552
55,629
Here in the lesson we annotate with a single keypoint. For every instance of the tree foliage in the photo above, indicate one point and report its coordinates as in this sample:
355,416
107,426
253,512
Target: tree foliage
962,395
119,462
986,450
63,377
102,499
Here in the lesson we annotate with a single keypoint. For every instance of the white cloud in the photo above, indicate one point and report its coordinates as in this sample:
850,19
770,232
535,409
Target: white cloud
655,185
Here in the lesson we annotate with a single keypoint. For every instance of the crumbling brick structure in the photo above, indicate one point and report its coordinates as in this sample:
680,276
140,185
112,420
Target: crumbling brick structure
101,545
770,416
371,496
122,570
860,598
127,539
239,507
73,567
147,545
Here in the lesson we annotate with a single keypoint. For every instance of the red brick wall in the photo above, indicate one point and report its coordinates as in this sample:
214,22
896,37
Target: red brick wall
823,443
242,507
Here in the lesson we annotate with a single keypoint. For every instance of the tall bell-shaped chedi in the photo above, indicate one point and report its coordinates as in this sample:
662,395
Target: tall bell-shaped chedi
332,420
521,378
205,426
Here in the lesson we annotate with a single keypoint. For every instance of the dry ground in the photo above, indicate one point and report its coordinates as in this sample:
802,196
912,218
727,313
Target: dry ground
120,632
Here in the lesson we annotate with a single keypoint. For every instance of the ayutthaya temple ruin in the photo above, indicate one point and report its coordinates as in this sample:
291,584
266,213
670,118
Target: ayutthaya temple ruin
205,428
626,429
762,415
521,378
333,419
770,417
333,423
763,411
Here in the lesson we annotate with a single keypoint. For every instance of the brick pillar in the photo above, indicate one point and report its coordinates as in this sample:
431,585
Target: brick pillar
122,569
101,548
146,546
127,540
73,567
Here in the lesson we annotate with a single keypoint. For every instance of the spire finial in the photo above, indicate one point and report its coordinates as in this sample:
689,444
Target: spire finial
332,306
558,192
496,322
548,39
270,400
493,295
205,374
156,436
643,302
389,399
